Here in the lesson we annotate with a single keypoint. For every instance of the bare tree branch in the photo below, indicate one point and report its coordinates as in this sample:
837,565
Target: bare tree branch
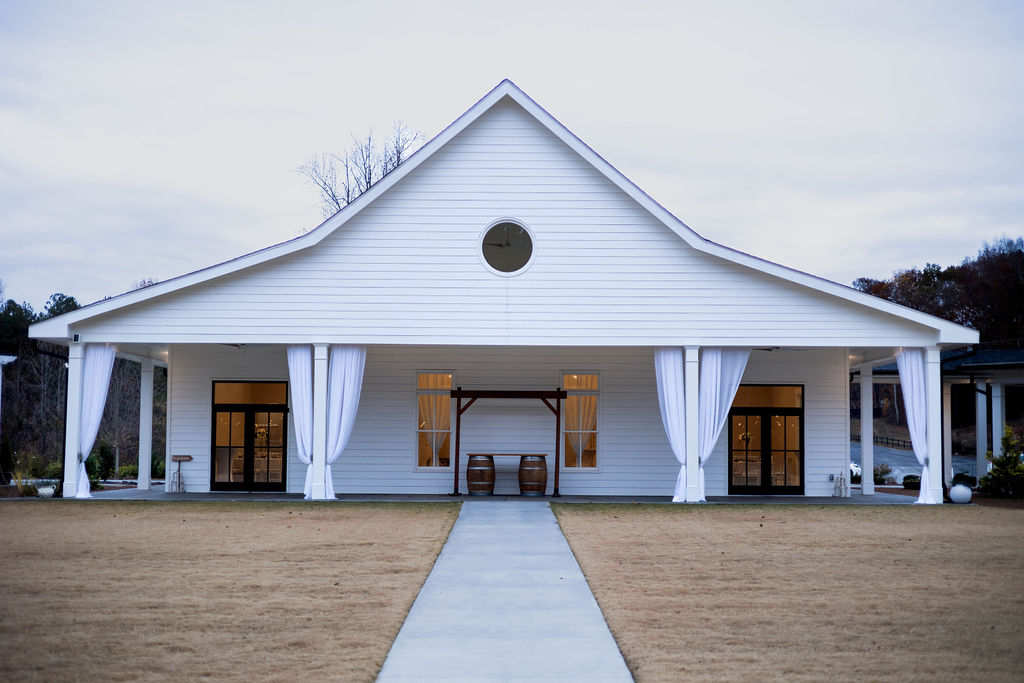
340,178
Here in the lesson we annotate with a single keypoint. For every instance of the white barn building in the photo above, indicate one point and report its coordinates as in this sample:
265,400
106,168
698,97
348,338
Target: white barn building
505,255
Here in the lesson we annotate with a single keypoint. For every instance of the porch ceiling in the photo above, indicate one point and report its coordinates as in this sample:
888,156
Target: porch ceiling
158,353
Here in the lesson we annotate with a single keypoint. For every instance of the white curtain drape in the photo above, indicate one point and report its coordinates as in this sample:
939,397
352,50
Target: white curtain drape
720,374
668,370
434,413
97,363
300,375
343,388
581,424
912,383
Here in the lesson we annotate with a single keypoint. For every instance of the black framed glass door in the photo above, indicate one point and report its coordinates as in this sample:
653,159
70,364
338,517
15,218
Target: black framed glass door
249,439
766,453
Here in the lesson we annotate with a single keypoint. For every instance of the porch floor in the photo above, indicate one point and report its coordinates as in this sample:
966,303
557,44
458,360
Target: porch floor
154,494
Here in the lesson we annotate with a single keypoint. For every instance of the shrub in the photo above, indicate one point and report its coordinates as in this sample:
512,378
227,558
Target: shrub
55,470
158,468
912,481
19,478
92,468
964,478
855,478
1006,480
128,472
105,460
882,473
34,466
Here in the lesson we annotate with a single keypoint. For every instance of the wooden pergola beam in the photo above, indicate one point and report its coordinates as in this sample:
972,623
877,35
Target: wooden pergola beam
499,393
473,394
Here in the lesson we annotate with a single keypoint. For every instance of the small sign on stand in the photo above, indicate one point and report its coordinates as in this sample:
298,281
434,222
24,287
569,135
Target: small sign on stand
177,484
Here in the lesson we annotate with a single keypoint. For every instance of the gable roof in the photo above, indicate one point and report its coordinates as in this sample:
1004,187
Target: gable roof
58,327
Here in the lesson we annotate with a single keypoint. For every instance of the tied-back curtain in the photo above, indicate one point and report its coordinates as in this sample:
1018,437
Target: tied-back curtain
96,366
300,374
720,374
912,383
343,388
580,424
668,370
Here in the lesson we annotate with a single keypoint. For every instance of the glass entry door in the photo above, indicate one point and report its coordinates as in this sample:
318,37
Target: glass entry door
249,440
766,442
249,450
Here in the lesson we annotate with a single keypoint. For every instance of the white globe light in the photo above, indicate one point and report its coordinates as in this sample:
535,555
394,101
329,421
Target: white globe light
960,494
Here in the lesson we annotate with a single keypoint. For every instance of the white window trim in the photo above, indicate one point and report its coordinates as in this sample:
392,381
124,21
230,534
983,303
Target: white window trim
483,234
415,416
600,421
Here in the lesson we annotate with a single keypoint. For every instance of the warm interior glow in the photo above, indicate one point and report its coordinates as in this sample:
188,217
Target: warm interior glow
580,419
433,419
249,393
768,396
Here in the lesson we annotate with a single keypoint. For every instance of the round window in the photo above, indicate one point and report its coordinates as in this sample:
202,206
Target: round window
507,247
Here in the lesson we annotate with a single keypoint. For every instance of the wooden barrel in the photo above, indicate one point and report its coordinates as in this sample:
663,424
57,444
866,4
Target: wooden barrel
533,475
480,475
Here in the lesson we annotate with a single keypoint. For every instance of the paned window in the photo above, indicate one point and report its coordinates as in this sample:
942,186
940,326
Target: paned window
766,440
249,436
433,419
580,419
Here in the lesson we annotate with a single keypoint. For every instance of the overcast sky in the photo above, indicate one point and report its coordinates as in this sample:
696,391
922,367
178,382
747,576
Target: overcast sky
149,139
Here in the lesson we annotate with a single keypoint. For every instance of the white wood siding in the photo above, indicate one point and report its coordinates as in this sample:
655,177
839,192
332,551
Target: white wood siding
634,455
407,270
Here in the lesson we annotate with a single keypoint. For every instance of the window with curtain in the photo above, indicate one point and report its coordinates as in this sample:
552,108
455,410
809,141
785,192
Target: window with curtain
579,419
433,419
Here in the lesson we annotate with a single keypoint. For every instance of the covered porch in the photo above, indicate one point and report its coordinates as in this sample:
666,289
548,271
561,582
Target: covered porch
613,444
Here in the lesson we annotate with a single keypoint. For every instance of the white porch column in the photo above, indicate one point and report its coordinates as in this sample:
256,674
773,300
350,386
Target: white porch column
691,380
867,432
319,491
72,419
947,432
146,424
981,427
998,418
933,403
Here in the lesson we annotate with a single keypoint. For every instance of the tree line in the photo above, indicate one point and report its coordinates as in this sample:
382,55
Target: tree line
985,292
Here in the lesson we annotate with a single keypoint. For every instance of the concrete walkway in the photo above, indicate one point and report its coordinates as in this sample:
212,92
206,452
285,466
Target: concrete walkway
505,601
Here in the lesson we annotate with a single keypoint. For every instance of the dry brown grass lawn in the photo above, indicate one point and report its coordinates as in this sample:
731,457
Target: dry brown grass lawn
175,591
788,593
